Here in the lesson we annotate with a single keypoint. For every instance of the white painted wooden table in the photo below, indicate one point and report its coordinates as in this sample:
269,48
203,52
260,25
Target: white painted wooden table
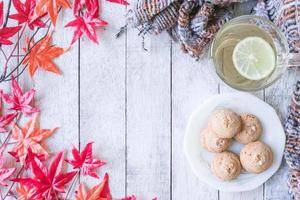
135,105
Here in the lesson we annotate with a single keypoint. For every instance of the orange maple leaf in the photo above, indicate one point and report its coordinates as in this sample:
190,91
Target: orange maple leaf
98,192
30,137
51,7
41,55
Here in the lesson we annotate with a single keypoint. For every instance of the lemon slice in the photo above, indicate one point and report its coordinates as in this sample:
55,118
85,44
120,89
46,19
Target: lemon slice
254,58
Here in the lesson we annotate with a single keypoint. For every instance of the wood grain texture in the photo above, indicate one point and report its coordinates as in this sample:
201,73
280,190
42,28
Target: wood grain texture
135,105
102,99
192,84
148,116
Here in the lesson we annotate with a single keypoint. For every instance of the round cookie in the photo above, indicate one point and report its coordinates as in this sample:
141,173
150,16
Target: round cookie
211,142
251,129
226,166
256,157
225,123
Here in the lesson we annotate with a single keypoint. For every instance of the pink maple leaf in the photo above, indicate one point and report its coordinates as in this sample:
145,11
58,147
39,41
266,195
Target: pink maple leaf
85,161
5,173
19,101
6,120
92,6
87,25
27,158
30,138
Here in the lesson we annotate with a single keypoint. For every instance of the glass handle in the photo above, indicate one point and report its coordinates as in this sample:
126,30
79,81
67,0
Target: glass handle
294,60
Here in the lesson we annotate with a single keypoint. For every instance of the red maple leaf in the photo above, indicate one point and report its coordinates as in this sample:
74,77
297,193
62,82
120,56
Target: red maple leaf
86,24
6,32
85,161
92,6
47,182
132,197
1,13
122,2
5,173
77,5
26,14
98,192
20,102
6,120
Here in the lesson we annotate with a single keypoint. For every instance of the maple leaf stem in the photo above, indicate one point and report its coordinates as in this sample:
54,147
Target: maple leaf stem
15,47
7,77
9,133
7,14
17,56
72,184
10,143
4,54
13,183
37,30
6,139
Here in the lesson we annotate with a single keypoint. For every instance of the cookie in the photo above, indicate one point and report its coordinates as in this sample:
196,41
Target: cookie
256,157
211,142
226,166
251,129
225,123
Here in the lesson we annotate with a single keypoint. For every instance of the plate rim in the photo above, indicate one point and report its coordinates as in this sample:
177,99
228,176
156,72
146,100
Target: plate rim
208,182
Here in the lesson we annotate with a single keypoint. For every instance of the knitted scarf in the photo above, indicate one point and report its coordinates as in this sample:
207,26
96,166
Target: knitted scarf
292,149
193,23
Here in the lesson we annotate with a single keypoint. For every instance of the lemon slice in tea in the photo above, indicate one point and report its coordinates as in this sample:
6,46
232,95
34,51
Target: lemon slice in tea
254,58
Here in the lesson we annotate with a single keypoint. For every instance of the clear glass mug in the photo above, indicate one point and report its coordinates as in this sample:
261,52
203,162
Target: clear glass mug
235,30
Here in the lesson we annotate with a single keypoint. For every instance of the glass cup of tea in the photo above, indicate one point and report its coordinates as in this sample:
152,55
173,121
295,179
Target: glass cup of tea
250,53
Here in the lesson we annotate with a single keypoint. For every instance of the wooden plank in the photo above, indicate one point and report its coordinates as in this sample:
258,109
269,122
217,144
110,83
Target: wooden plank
192,83
102,98
148,116
279,96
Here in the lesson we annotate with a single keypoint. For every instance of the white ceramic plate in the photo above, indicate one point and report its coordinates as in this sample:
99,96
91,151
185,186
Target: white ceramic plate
200,159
